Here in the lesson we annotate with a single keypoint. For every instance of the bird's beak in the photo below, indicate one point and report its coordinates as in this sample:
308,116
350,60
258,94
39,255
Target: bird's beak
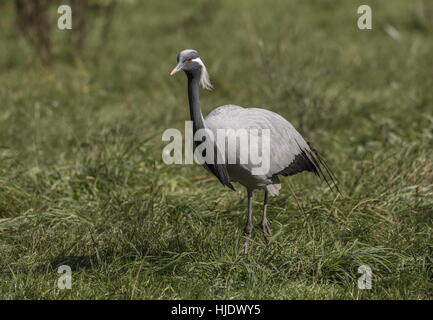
176,69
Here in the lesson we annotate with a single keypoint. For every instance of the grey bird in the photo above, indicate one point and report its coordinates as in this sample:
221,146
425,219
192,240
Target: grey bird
289,152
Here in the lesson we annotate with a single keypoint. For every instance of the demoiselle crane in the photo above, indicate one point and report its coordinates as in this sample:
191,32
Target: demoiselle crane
289,153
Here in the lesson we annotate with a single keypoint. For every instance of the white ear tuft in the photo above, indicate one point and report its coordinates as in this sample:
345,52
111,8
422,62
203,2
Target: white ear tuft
204,77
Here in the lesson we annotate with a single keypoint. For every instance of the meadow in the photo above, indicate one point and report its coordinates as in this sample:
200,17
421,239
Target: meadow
83,184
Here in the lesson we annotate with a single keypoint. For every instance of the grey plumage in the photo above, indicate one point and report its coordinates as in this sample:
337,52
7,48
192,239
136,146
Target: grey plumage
289,152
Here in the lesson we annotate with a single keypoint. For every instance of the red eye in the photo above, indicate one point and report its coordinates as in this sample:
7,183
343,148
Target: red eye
189,59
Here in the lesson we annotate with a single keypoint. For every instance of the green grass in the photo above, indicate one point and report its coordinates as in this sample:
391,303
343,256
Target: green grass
82,181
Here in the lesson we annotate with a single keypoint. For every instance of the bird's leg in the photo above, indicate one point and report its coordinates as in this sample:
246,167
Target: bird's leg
265,223
249,226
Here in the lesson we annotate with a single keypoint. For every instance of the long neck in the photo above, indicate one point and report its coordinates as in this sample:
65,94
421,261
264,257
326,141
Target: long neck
194,101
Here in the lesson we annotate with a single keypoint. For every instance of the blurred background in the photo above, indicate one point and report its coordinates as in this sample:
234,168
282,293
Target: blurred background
82,182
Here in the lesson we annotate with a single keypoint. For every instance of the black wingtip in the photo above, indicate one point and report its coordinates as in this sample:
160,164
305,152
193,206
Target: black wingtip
230,186
220,171
327,175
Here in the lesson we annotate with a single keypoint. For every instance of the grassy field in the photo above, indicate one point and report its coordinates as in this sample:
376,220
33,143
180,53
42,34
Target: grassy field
82,182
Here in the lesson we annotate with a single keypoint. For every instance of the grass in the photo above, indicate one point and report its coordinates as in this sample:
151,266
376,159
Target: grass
82,182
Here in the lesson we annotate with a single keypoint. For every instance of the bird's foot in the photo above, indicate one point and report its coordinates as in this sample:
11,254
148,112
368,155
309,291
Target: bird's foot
266,229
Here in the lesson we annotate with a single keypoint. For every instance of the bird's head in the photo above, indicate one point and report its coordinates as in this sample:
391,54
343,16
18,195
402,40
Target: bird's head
189,61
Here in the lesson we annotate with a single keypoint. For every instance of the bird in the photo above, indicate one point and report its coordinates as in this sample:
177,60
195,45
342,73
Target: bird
289,152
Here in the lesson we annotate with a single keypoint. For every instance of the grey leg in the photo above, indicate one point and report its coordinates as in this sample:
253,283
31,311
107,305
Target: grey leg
265,223
249,226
